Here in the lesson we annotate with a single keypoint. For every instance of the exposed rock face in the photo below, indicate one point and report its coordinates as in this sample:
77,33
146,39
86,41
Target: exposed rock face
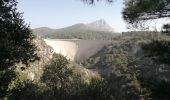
45,52
100,25
76,50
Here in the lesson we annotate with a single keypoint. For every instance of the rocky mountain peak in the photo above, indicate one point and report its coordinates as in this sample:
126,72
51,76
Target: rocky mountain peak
101,25
100,22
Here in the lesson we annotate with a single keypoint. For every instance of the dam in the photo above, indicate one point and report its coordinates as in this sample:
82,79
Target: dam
76,50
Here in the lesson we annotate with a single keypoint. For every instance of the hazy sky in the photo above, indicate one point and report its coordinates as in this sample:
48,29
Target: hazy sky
62,13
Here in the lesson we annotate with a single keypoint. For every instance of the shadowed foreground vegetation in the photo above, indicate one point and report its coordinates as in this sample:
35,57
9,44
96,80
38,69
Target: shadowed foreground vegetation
142,58
126,72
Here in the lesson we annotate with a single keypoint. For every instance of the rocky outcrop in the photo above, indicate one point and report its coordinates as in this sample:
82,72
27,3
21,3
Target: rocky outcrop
96,26
100,25
35,69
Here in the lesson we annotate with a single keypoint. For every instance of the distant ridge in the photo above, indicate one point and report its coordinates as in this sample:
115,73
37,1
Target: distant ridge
98,25
42,31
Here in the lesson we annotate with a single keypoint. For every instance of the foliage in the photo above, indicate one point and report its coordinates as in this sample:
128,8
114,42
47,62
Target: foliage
87,35
15,43
114,62
61,80
127,74
98,89
131,58
28,91
166,29
6,77
121,66
158,50
113,55
137,10
159,89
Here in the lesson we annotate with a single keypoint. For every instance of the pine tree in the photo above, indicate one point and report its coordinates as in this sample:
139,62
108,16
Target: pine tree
141,10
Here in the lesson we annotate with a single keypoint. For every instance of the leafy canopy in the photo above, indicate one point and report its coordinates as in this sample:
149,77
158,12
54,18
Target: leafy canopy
15,43
15,36
140,10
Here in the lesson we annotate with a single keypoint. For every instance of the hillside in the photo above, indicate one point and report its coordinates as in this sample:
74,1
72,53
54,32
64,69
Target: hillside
46,53
97,30
132,64
98,25
86,35
42,31
85,61
121,70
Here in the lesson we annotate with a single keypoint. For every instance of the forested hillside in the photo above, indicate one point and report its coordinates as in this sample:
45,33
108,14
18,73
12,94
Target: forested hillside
53,76
86,35
42,31
136,61
120,71
97,30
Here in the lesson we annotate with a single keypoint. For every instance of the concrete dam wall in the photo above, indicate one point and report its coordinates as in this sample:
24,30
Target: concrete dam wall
75,49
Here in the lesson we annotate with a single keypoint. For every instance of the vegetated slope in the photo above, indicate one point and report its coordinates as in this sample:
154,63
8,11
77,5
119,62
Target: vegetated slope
35,69
46,56
42,31
55,78
87,35
61,80
126,73
126,66
92,31
98,25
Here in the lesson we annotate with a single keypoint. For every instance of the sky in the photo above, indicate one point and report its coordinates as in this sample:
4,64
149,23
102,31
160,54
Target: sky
62,13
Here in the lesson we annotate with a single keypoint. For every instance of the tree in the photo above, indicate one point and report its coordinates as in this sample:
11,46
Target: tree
57,77
93,1
166,29
136,11
15,43
141,10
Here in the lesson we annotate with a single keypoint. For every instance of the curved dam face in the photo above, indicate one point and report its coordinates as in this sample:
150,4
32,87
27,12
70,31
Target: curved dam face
76,50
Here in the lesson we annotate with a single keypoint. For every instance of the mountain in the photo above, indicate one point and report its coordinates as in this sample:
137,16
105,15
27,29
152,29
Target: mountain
100,25
96,26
